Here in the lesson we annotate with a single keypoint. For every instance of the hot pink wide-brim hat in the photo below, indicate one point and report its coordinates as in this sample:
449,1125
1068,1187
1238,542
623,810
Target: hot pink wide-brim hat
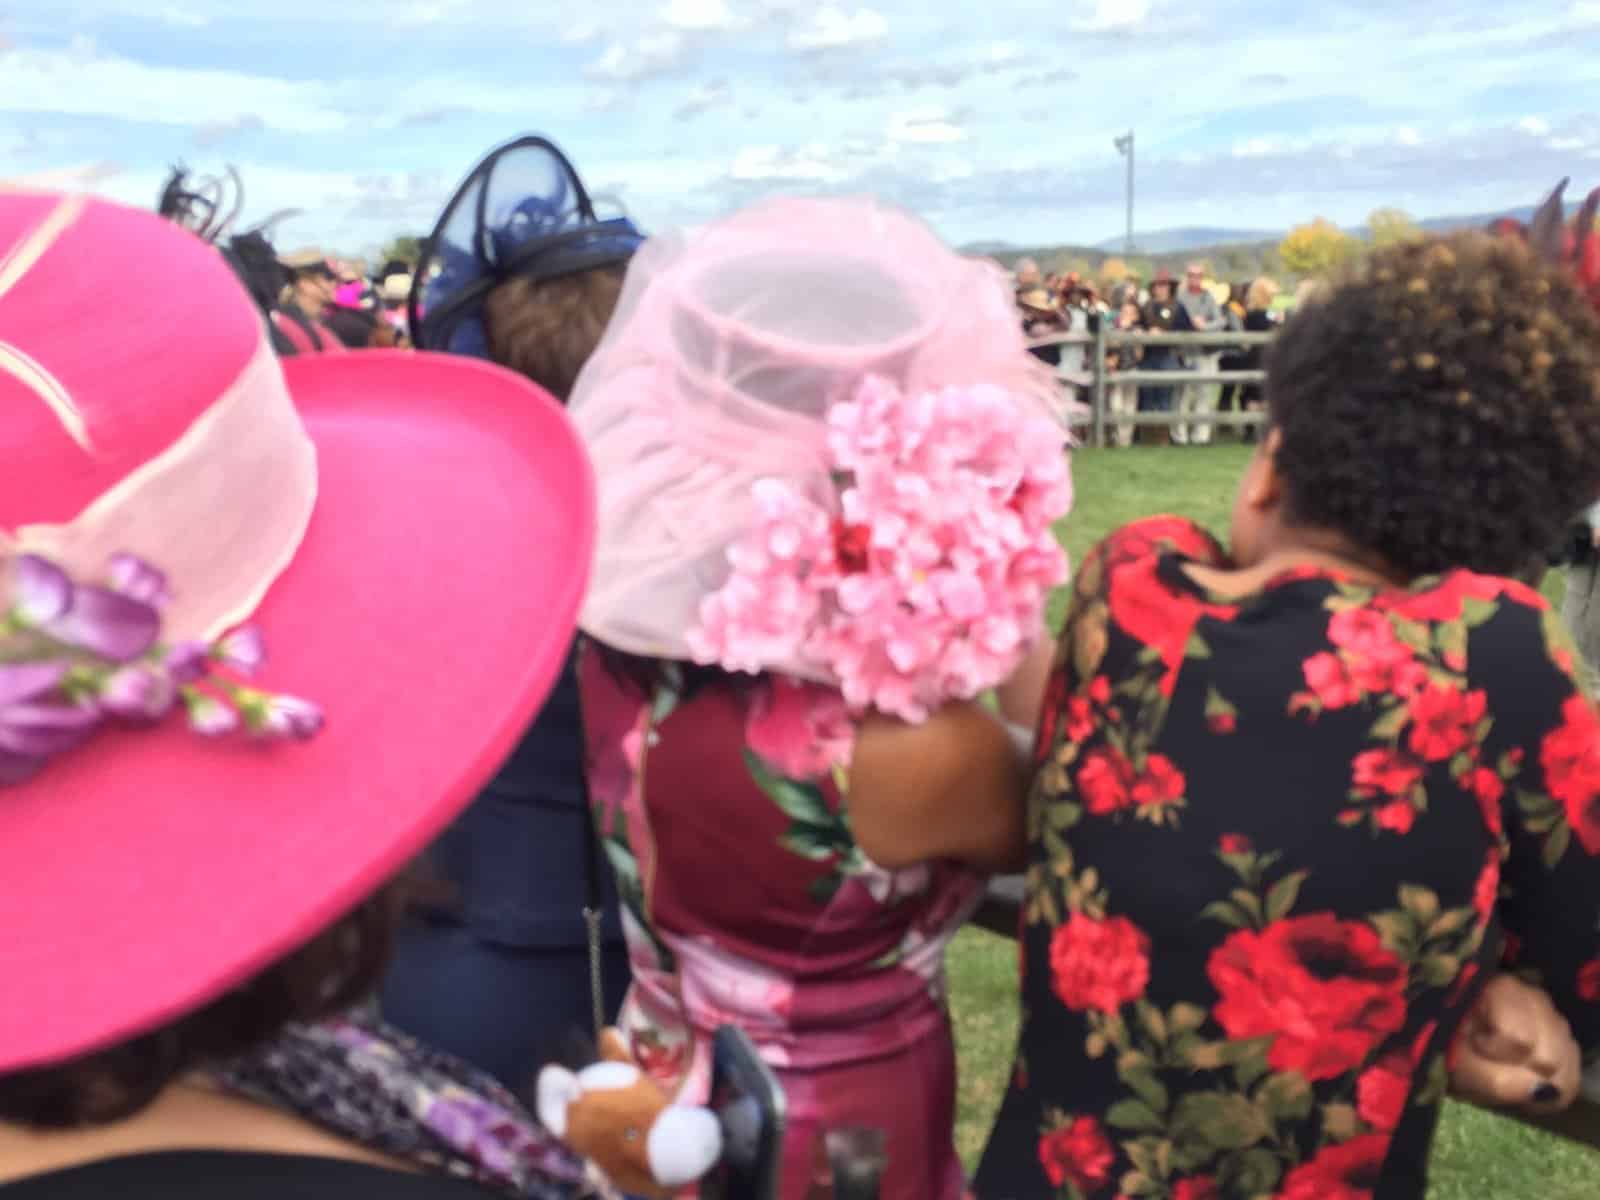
412,535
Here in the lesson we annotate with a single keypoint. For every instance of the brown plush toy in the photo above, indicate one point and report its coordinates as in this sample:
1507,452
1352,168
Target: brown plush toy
623,1122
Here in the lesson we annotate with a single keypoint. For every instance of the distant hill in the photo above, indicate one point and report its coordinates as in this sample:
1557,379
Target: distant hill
1233,253
1172,241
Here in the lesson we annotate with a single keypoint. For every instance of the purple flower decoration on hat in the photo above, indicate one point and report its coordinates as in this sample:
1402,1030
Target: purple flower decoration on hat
243,650
73,654
142,692
209,716
44,591
107,624
138,580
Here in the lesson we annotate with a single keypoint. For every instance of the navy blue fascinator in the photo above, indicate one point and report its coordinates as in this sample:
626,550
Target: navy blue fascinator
522,211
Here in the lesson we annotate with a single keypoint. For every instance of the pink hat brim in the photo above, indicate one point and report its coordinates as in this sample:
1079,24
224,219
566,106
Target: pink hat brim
428,612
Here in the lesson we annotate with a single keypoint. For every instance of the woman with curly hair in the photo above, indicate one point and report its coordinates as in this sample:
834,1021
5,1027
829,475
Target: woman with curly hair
1295,801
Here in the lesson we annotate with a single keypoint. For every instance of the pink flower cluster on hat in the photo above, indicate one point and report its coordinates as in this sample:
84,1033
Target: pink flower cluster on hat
927,579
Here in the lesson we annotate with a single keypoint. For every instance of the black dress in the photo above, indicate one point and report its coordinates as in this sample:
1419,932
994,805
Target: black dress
1278,842
226,1175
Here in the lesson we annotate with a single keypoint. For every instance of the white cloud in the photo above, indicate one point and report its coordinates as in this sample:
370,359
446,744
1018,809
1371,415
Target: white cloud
1534,126
831,27
1407,136
426,12
707,96
698,16
775,164
582,33
183,18
1257,147
83,178
932,127
82,82
652,54
1110,16
1567,144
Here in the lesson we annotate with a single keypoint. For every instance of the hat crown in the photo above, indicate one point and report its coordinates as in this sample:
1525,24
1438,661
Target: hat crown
90,387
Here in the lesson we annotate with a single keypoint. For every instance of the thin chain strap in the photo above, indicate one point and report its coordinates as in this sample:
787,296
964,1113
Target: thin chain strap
594,893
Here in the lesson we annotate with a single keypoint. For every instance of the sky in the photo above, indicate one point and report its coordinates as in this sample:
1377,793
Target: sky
994,119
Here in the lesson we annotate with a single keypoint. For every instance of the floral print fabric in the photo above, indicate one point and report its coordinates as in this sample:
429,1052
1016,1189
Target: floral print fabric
1277,842
746,901
366,1081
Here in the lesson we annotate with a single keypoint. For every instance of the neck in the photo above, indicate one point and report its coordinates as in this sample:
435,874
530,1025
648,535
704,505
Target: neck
1286,546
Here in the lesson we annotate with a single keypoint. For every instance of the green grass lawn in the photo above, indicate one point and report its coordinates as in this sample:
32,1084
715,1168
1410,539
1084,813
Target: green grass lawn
1477,1156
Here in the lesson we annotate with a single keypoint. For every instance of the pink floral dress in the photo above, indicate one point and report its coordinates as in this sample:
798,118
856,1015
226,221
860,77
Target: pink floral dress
746,901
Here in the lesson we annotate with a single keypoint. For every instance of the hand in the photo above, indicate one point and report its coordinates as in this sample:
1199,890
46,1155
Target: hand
1516,1051
1594,538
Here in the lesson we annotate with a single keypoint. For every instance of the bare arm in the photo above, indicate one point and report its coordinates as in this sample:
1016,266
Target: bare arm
1021,695
953,787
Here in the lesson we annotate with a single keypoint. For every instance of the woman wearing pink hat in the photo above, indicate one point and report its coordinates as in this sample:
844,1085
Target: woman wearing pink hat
828,476
410,537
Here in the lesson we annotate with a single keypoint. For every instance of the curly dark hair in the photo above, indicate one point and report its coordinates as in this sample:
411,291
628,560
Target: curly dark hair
1440,406
332,972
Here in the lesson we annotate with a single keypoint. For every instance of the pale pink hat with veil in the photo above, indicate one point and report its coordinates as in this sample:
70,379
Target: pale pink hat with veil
730,345
407,535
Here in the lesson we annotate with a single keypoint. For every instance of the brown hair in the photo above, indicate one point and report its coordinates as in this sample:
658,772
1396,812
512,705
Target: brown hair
338,968
547,329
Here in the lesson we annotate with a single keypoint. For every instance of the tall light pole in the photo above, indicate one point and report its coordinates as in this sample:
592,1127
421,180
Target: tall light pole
1124,146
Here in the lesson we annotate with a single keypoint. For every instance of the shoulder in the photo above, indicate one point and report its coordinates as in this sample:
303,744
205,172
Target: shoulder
1165,534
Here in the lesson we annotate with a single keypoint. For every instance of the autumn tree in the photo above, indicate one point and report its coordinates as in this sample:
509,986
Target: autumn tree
1391,226
1317,248
405,248
1113,271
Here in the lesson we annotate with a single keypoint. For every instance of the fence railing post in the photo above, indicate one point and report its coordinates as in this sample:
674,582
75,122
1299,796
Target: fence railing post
1097,395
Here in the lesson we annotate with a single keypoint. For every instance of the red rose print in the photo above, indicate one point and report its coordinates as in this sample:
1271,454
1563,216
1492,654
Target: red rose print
1161,784
1397,816
1055,698
1099,965
1223,724
1377,660
1100,691
1080,719
1105,781
1488,787
1385,773
1513,949
1445,601
1487,890
1155,615
1589,982
1329,682
1364,632
1202,1187
1442,718
1326,991
1235,843
1570,757
1349,1171
1562,657
1419,1047
1078,1154
1381,1092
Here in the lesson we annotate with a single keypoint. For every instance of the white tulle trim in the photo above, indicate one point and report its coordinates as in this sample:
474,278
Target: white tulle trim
222,511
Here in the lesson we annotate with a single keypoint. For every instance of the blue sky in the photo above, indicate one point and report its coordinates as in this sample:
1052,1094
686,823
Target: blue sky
993,119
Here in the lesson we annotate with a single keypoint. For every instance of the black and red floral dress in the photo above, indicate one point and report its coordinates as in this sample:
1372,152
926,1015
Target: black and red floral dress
1278,843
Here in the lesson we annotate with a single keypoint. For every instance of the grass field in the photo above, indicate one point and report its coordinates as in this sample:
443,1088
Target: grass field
1477,1156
